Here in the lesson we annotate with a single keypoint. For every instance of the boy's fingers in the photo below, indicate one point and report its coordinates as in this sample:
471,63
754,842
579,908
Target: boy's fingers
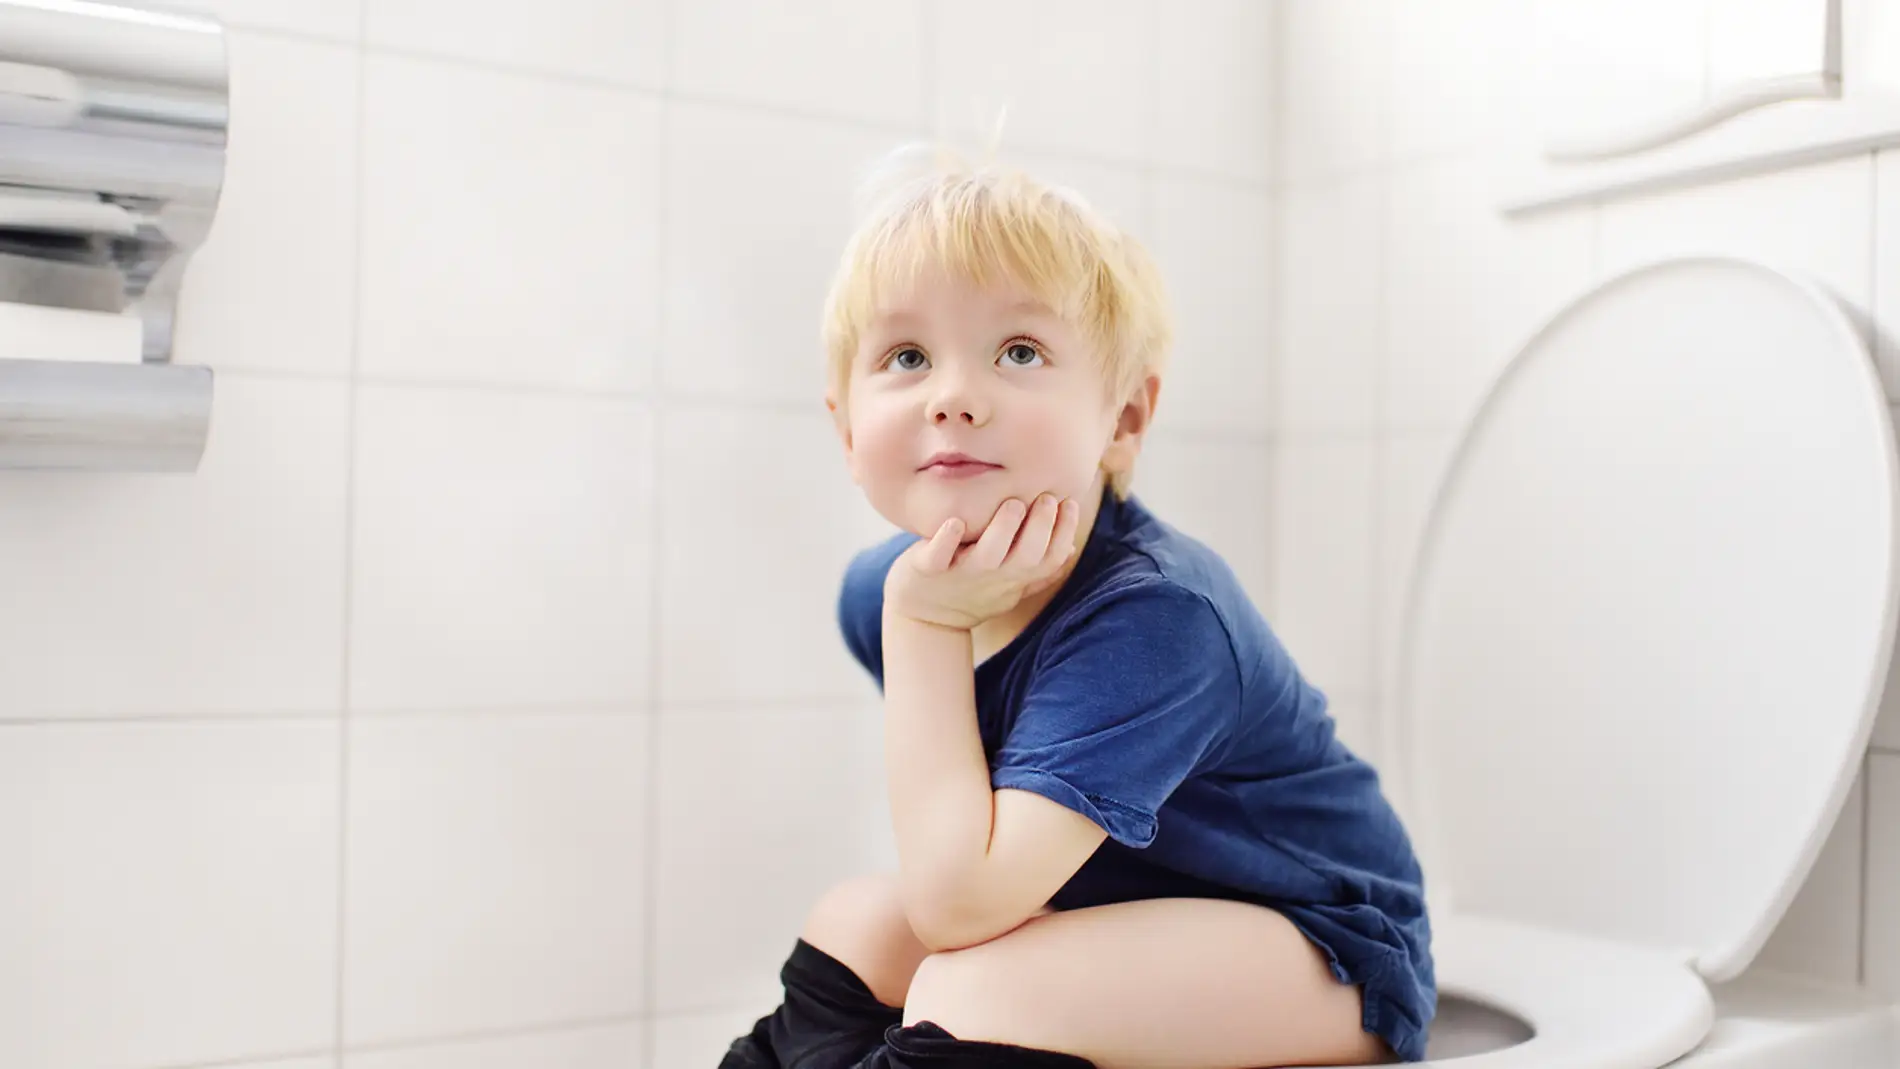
1062,542
1032,544
990,549
943,545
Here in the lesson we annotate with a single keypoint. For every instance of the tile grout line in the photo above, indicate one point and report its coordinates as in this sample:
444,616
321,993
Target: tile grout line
353,428
665,92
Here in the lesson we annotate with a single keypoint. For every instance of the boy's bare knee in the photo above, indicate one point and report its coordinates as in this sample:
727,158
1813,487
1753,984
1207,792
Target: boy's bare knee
861,923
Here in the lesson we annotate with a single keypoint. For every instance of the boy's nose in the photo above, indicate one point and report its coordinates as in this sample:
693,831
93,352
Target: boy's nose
958,405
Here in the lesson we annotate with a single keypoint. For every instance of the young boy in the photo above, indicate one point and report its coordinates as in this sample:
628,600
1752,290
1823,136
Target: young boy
1127,835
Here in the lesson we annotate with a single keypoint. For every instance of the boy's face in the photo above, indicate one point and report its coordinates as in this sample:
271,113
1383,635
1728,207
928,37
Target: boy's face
961,398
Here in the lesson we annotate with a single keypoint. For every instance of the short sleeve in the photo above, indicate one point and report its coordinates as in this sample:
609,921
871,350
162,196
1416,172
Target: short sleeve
861,603
1132,694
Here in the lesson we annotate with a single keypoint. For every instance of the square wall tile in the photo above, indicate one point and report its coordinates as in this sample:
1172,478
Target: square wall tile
751,807
1067,75
1465,288
274,286
1327,319
1411,466
1219,60
176,881
759,518
858,59
748,262
338,19
1333,56
1819,936
216,592
693,1039
616,1046
1886,275
496,875
1214,245
1459,75
1322,576
1882,938
511,228
620,41
1220,492
502,550
1816,220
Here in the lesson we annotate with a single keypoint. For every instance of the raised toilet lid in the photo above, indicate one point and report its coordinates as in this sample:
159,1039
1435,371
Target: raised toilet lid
1650,619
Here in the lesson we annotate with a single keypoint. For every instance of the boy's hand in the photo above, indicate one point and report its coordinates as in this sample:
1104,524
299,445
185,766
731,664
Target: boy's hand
1021,552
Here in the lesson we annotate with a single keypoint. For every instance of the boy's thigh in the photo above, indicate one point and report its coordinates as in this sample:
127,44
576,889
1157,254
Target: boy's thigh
1160,984
861,923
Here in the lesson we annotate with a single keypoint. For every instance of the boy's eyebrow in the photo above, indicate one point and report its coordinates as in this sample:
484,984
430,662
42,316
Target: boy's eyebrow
895,319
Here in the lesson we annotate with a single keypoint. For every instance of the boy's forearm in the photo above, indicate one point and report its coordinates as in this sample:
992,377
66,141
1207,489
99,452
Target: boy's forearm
942,807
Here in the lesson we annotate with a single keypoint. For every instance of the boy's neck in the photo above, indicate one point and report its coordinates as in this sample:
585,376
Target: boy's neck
989,637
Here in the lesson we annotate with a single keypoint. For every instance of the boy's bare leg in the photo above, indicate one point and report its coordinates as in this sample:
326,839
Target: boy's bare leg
1160,984
861,923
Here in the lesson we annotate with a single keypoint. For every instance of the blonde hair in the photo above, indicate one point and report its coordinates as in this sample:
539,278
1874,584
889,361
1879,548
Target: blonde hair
926,209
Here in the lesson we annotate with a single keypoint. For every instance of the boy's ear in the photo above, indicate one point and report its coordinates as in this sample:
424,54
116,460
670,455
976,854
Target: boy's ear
1137,414
843,426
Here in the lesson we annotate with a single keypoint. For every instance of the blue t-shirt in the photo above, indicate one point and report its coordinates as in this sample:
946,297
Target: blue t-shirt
1152,697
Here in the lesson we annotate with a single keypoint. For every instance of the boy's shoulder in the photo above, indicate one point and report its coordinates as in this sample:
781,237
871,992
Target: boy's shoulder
861,599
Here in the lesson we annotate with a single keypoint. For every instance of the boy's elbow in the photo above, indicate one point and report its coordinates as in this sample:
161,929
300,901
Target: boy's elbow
946,922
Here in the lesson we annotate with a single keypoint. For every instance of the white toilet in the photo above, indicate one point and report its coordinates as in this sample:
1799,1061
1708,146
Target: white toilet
1644,642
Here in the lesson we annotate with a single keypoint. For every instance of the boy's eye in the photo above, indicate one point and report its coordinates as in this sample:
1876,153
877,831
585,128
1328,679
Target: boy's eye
1022,354
908,359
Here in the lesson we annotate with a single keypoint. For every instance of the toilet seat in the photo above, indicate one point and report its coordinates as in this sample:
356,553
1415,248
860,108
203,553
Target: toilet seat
1594,1003
1643,648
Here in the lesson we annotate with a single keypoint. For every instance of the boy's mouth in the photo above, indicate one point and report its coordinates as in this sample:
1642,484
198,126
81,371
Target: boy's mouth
957,466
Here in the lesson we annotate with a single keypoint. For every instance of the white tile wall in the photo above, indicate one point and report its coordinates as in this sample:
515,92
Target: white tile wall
1334,58
496,875
1330,242
341,19
1436,107
1886,273
1323,561
615,1046
1410,467
757,210
758,520
1075,76
741,858
173,891
1464,287
217,593
855,59
1214,88
508,312
502,549
290,185
618,41
1213,243
510,228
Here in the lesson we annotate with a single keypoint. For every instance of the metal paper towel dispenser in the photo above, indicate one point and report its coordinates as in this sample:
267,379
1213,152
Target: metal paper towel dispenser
113,124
